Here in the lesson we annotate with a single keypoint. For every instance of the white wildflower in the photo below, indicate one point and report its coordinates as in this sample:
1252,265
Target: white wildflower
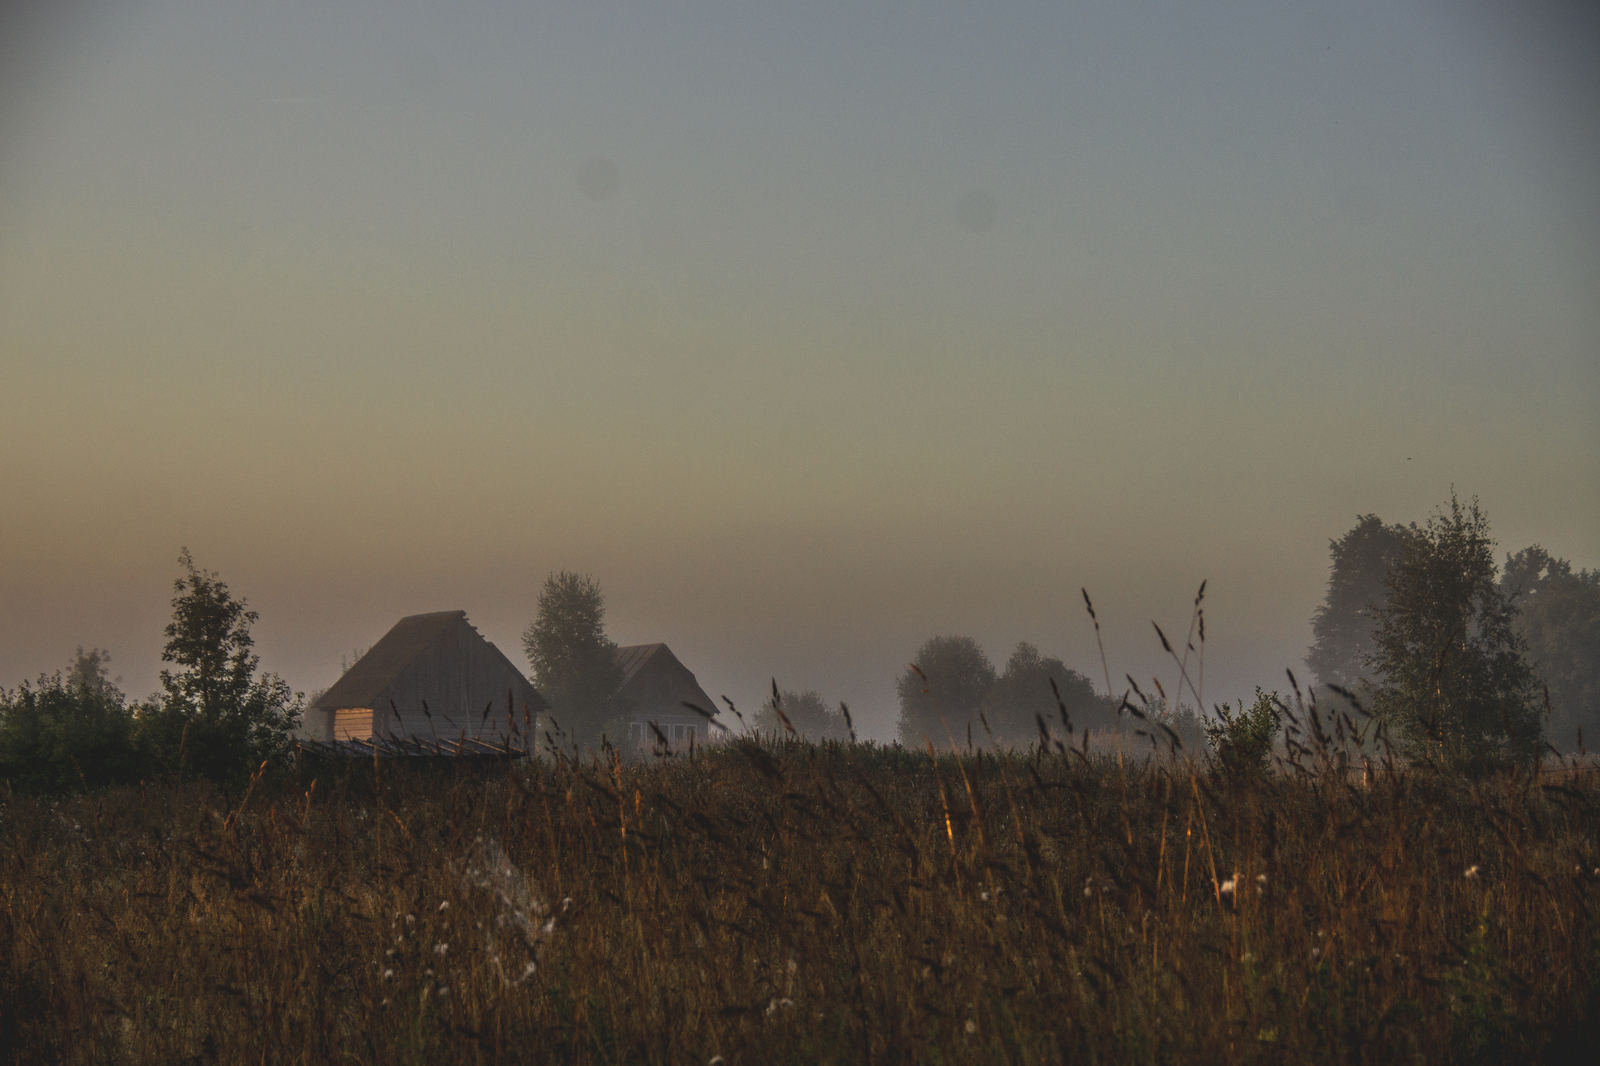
388,975
1472,872
1229,885
441,948
444,906
972,1026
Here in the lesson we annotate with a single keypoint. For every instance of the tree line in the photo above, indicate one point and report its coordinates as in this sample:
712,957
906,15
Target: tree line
1455,660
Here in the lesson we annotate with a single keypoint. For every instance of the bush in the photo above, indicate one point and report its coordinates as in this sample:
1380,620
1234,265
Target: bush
59,737
1241,740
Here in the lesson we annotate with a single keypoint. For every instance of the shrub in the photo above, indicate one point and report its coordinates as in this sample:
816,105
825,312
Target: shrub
1241,739
59,737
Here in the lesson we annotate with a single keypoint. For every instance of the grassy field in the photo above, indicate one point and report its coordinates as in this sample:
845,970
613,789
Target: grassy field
791,903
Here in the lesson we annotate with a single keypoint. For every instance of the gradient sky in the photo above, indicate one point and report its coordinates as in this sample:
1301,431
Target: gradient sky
809,330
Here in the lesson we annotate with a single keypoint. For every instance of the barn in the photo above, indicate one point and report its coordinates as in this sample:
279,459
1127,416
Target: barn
432,680
657,685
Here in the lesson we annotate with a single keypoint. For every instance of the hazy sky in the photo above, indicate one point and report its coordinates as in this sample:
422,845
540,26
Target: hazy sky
809,330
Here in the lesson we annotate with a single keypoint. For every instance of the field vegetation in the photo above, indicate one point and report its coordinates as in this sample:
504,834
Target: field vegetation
760,902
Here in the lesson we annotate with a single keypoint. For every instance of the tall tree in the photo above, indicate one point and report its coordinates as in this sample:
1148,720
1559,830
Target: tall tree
1559,617
958,677
216,716
1022,695
1452,669
1343,626
574,662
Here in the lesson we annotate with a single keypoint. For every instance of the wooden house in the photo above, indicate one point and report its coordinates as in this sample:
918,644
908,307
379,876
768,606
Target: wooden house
657,686
432,679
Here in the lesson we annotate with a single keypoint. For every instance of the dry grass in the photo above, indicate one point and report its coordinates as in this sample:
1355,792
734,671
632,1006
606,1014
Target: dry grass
789,903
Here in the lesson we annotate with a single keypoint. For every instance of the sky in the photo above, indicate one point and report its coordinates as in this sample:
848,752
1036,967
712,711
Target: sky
809,331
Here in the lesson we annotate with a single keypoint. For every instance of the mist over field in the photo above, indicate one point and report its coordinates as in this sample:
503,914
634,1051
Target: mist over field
810,334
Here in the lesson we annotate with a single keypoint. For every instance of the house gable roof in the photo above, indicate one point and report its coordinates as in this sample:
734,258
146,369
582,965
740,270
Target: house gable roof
635,657
365,683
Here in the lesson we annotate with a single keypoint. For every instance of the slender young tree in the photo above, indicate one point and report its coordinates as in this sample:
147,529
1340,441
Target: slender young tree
1454,677
216,715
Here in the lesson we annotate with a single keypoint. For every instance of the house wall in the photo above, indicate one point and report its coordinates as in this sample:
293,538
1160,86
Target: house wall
349,723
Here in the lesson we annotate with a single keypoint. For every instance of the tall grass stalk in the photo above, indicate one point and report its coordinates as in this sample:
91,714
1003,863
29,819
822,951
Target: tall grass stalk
779,901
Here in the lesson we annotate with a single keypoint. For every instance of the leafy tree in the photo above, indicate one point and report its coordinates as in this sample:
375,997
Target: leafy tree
807,712
215,716
1559,617
574,662
1022,695
1453,673
65,733
1241,738
1343,626
955,678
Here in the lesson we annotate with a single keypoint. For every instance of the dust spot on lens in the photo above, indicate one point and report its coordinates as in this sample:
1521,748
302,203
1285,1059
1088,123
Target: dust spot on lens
977,210
598,180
